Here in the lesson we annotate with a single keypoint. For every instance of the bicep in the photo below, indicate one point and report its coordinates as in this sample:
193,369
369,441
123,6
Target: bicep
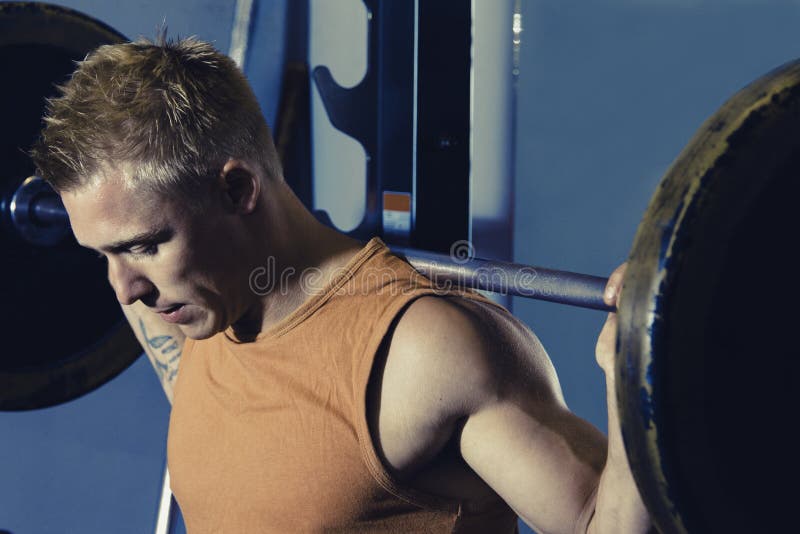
540,458
162,343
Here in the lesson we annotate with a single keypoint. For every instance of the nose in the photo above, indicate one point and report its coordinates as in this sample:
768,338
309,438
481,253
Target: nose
128,283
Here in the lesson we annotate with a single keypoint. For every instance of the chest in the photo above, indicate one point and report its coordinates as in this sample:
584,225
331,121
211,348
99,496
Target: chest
266,447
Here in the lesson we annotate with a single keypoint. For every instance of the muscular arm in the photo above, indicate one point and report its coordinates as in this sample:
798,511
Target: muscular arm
485,378
163,343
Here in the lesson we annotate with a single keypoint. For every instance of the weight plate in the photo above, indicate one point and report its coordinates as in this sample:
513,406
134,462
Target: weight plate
707,360
63,331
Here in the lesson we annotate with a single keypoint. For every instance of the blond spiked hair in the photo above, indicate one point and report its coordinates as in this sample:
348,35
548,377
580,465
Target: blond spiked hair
167,113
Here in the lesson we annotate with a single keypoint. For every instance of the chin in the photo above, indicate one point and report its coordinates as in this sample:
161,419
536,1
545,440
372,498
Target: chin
200,329
197,334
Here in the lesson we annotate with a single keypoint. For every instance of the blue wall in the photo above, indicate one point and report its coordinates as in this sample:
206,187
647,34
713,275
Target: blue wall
93,465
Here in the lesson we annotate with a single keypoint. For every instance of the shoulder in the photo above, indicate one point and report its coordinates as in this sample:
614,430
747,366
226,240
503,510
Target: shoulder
446,359
471,353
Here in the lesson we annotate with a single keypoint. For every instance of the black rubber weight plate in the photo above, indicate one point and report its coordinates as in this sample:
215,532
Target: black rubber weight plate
63,333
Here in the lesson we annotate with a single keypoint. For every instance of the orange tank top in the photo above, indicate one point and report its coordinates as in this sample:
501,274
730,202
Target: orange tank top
271,436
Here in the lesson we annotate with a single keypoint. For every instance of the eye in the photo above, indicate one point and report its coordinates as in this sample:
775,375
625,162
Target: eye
144,250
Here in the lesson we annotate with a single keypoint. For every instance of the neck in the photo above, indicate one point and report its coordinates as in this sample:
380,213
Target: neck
302,256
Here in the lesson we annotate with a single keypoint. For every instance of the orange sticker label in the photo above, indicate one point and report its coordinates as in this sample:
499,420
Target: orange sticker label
396,201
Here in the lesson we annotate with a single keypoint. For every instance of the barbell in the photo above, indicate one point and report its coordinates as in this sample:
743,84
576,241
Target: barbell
707,363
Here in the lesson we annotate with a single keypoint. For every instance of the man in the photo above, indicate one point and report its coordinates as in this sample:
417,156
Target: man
335,399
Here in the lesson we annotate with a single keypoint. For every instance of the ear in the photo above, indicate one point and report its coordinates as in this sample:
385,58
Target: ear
241,186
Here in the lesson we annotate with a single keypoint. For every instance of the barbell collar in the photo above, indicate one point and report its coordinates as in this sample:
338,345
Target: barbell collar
37,214
49,211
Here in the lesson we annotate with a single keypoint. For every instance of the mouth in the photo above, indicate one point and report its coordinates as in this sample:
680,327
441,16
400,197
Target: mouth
168,309
173,314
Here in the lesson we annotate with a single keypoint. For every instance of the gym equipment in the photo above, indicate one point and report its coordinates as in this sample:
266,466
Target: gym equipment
64,333
707,360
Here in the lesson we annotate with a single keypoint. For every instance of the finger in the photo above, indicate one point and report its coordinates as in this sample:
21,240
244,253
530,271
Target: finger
614,285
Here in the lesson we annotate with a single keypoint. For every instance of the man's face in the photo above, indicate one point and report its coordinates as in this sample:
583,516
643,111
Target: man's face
180,264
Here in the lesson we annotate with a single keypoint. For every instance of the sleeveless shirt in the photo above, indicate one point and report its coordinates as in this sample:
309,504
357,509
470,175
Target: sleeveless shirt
271,435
